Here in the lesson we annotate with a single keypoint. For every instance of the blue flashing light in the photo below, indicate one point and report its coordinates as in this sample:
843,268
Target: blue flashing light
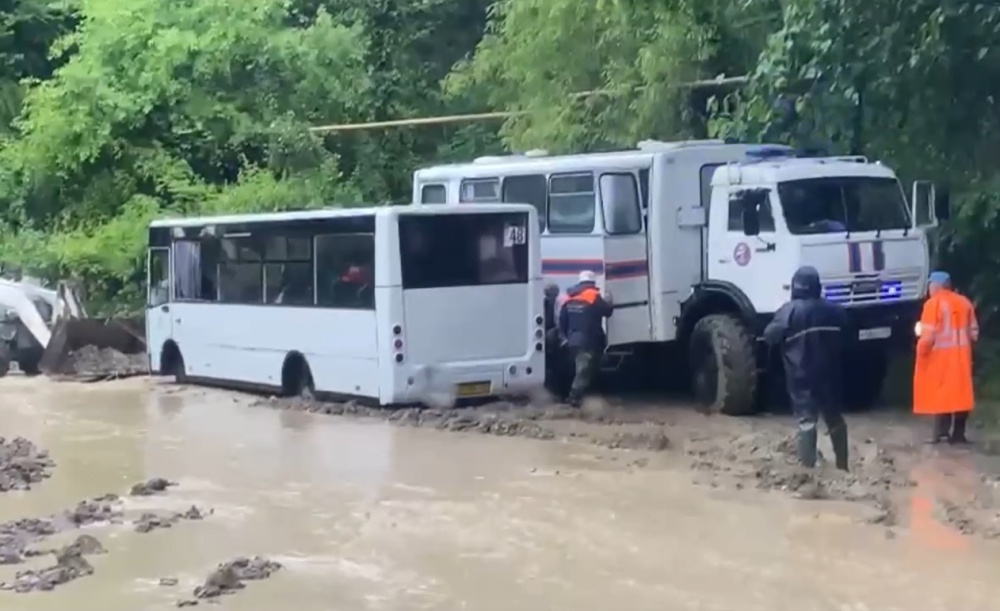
888,290
769,151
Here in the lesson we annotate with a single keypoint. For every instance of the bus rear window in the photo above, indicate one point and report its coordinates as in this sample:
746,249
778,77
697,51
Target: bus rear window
463,249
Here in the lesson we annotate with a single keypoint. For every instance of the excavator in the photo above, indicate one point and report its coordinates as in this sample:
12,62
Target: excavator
42,329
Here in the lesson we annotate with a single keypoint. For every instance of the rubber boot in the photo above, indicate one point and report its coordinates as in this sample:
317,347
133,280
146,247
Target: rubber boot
838,439
942,424
958,428
807,444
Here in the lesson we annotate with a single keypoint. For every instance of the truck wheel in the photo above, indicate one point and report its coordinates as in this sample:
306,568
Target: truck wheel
723,365
864,379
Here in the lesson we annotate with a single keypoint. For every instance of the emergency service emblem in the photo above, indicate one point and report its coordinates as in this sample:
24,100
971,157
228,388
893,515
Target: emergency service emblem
742,254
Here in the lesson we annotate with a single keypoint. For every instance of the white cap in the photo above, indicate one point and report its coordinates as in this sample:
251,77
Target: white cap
587,276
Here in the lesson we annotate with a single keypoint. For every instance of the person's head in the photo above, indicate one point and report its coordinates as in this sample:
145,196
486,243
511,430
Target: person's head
551,291
938,280
587,277
805,283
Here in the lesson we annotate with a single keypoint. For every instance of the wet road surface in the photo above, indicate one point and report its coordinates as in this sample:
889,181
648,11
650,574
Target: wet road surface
366,515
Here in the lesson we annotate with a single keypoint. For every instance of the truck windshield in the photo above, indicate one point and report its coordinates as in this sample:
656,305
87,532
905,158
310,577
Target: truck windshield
843,204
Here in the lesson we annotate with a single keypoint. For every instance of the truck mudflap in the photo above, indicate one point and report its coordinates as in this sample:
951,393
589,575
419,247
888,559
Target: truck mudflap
96,348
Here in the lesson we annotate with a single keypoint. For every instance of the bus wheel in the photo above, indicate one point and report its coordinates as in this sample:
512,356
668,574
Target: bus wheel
296,377
723,365
172,363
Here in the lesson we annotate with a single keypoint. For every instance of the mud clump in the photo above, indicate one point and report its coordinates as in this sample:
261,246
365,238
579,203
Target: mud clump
655,440
229,578
70,564
767,459
148,521
22,464
151,487
105,363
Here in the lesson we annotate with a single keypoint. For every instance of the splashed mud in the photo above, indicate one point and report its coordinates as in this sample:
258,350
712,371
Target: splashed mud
229,578
22,464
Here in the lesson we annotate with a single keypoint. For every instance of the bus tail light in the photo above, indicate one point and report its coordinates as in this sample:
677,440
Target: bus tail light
397,343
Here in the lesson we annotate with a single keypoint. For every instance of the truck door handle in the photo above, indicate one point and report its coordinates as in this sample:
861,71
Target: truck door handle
164,308
723,260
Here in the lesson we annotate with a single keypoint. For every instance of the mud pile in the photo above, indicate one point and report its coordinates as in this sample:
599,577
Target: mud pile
149,521
22,464
105,363
17,536
229,578
767,460
503,418
151,486
70,564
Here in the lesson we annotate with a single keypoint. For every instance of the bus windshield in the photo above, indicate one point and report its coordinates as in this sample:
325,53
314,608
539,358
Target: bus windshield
843,204
451,250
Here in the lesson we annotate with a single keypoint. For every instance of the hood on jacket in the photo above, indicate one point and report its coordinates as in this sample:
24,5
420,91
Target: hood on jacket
580,287
805,283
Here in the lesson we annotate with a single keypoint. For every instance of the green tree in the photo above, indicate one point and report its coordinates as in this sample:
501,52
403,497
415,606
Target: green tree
173,108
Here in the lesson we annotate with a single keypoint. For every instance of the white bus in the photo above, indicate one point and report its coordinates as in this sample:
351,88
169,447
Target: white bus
383,304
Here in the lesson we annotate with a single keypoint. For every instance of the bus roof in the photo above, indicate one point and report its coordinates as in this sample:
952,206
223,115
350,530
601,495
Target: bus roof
325,213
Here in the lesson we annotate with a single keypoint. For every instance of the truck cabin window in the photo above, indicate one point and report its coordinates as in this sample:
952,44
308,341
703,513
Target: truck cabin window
843,204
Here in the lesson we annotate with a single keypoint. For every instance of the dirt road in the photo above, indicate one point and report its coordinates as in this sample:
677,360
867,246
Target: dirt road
642,507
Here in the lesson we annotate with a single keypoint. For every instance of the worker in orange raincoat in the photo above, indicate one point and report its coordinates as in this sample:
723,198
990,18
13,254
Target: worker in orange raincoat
942,376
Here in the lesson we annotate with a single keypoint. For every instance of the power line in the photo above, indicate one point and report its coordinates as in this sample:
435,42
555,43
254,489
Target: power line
505,114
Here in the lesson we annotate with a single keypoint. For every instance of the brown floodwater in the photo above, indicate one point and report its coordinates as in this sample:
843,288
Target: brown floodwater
364,515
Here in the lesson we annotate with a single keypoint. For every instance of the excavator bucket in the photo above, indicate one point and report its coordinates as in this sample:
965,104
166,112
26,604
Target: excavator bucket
92,339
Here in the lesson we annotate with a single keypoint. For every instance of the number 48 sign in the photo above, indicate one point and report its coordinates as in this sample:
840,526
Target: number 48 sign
514,235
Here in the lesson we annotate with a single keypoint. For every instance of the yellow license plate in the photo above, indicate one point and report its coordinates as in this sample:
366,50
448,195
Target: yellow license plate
474,389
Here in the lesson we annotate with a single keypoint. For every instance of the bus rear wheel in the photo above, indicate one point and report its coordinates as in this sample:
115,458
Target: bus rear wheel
296,378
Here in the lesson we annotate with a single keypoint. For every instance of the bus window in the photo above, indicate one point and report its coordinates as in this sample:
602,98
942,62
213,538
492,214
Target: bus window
529,189
241,271
480,191
620,202
571,203
433,194
463,250
288,270
195,274
345,271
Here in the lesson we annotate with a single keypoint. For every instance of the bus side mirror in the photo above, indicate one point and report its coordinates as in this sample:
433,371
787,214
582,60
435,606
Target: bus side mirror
942,203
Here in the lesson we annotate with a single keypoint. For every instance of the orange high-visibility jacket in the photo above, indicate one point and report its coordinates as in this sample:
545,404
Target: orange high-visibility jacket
942,375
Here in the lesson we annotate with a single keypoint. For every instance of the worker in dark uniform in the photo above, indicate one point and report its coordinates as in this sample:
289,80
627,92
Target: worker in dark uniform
812,334
581,322
558,364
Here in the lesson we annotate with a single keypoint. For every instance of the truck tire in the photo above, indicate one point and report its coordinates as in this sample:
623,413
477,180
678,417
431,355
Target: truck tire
864,380
723,366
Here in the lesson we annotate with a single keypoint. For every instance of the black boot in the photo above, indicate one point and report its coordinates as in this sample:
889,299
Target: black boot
838,439
958,428
941,427
806,443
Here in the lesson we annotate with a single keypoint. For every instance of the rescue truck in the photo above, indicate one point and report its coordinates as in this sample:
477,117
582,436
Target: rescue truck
697,241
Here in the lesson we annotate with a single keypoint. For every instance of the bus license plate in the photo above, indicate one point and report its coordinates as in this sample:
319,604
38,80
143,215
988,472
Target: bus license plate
876,333
473,389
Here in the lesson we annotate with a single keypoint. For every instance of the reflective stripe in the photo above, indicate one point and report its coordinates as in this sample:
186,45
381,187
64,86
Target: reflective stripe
948,337
813,330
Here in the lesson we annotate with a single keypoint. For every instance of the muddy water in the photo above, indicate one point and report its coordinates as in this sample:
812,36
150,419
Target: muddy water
364,515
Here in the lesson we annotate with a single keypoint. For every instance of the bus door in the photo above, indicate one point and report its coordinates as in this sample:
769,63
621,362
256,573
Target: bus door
159,324
626,265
